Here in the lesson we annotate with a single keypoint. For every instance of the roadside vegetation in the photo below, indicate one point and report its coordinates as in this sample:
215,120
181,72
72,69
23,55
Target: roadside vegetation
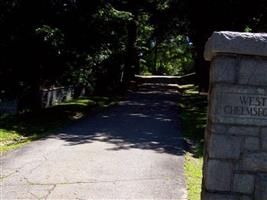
193,111
17,130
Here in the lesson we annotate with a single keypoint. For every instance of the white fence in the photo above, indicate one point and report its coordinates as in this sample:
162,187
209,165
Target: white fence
50,97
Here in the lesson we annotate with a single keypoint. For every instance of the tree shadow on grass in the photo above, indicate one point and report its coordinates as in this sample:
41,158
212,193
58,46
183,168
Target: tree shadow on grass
193,112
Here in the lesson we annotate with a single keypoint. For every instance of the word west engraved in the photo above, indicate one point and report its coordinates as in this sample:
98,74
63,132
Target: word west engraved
248,105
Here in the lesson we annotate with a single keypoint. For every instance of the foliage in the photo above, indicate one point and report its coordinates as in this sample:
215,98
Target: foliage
172,56
102,44
83,43
53,36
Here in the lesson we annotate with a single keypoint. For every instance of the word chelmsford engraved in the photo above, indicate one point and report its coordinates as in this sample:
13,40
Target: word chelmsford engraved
253,106
240,107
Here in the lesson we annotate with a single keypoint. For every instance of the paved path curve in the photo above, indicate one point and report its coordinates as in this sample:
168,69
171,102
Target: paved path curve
131,151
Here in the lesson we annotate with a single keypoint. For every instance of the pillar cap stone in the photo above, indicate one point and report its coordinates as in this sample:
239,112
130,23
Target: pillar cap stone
236,43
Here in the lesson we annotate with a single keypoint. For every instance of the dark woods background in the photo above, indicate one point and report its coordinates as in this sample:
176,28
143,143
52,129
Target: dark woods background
99,45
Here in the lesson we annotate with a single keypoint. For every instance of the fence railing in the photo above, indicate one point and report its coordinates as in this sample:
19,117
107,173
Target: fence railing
50,97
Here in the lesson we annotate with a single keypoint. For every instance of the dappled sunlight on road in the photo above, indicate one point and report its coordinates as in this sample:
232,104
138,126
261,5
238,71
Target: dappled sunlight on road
146,120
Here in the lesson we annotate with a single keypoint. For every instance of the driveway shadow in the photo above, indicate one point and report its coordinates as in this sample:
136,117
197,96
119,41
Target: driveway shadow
148,119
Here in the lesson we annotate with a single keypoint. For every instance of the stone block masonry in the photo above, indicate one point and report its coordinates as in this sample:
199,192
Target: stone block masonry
235,160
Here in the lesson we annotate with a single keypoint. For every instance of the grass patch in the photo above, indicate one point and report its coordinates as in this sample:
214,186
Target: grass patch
193,173
21,129
193,112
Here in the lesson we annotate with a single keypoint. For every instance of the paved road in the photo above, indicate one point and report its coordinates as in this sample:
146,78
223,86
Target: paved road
131,151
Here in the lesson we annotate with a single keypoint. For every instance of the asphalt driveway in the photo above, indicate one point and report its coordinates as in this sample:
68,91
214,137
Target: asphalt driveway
131,151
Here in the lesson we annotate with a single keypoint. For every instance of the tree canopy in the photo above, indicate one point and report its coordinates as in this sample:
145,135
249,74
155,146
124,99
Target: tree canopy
100,45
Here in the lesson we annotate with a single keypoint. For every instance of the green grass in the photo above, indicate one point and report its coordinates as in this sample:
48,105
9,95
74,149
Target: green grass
193,111
18,130
10,139
193,173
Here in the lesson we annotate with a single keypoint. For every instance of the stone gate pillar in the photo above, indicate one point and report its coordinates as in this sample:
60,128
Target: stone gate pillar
235,161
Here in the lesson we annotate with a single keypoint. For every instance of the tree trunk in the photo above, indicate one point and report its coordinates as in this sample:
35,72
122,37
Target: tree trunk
201,66
155,59
132,61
